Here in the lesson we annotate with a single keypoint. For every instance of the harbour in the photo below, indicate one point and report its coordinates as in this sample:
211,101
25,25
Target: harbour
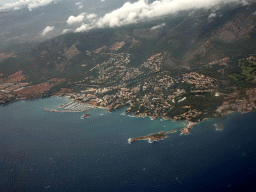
73,107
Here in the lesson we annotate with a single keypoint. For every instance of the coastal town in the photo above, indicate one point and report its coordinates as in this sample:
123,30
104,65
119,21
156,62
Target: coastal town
144,91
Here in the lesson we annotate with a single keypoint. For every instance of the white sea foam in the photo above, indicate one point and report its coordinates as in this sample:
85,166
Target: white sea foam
184,134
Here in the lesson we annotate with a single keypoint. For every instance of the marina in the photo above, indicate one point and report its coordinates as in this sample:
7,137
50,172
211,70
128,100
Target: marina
73,107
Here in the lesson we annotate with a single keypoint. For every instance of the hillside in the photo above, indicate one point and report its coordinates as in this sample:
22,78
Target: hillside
187,66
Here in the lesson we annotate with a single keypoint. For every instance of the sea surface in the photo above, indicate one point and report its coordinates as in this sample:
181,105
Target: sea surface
48,151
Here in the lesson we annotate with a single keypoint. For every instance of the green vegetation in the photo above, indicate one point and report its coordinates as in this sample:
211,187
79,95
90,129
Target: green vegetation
247,72
205,102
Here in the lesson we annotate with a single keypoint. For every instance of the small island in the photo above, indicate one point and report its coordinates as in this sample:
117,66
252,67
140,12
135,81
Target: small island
162,135
152,137
86,115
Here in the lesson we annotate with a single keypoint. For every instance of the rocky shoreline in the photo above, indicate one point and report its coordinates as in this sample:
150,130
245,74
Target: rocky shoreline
187,129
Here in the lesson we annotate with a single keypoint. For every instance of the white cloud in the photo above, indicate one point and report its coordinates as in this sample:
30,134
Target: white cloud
72,19
134,12
16,8
66,31
102,0
212,15
84,27
30,4
80,18
245,3
91,16
47,30
80,5
158,26
141,10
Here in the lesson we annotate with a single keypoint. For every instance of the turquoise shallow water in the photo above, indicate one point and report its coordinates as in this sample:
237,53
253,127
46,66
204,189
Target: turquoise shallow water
47,151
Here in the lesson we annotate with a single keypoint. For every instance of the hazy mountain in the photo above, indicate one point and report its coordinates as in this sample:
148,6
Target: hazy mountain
186,39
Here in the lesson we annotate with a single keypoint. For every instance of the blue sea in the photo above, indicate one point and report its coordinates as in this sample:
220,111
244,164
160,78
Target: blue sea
47,151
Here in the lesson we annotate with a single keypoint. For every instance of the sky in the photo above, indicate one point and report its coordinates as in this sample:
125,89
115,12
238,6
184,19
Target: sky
7,1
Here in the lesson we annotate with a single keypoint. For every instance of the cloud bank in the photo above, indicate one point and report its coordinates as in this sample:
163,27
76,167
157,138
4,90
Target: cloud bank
131,13
47,30
30,4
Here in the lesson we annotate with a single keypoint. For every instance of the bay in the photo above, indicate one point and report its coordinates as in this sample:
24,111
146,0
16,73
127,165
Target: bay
47,151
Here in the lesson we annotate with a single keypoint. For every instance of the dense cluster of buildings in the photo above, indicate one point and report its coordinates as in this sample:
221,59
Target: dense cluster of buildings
117,69
114,70
201,83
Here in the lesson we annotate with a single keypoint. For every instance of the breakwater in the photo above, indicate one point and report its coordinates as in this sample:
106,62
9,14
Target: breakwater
62,111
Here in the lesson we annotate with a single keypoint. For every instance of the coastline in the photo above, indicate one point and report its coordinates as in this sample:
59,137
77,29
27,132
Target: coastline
186,130
152,137
183,131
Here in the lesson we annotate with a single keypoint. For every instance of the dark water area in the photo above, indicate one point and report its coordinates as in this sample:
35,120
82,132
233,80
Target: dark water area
47,151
